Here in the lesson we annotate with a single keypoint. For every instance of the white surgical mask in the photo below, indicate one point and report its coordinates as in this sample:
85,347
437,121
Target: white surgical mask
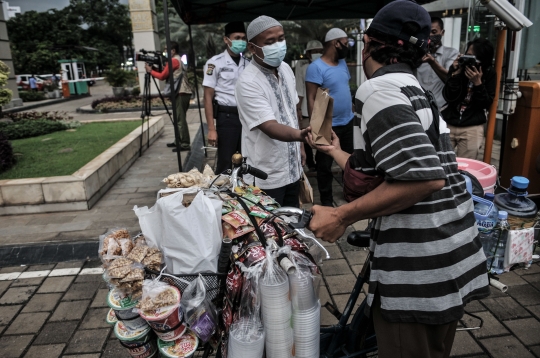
274,53
315,56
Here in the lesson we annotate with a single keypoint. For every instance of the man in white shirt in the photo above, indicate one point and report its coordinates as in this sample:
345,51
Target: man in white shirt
220,75
313,52
266,98
434,69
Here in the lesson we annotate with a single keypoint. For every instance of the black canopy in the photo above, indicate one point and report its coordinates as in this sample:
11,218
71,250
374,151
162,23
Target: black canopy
195,12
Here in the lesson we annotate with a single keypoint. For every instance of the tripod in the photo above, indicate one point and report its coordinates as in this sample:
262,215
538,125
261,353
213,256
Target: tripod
146,110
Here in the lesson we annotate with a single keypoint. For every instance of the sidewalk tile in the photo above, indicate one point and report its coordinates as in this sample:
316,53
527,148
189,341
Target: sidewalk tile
88,341
356,269
327,319
335,267
7,313
490,328
475,306
512,279
95,271
36,281
535,310
64,272
535,350
464,344
9,276
505,308
42,302
11,269
81,291
335,252
506,347
101,298
56,284
525,295
69,311
40,267
88,278
341,284
535,268
95,355
95,318
46,351
56,332
28,323
17,295
34,274
4,286
115,350
356,257
526,330
13,346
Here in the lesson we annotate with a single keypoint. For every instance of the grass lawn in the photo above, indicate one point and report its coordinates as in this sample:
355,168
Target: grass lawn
63,153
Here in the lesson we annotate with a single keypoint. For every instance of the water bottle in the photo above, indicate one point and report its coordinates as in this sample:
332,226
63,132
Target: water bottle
497,266
515,200
485,213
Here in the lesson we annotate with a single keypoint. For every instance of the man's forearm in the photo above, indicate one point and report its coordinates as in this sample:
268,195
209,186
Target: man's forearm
209,108
441,72
388,198
340,157
281,132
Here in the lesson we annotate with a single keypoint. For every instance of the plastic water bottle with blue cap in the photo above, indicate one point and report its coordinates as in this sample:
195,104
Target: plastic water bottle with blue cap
499,247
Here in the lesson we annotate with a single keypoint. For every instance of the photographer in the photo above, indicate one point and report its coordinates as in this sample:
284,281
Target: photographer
183,96
469,91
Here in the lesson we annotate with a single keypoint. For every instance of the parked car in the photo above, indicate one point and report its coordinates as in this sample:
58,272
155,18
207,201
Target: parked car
23,84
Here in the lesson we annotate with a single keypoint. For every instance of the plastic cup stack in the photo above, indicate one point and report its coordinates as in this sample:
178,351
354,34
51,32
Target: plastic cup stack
306,325
246,340
277,312
302,293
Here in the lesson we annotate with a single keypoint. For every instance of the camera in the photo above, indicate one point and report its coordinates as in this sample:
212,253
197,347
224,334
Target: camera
153,58
467,60
505,11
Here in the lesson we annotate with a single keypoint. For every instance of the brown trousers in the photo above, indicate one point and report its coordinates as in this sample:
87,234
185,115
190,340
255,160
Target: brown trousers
412,340
467,140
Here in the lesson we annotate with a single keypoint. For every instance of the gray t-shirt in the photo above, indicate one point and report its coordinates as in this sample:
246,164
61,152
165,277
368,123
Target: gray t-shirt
428,78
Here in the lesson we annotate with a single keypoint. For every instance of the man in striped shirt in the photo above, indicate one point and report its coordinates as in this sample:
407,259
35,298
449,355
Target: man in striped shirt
427,261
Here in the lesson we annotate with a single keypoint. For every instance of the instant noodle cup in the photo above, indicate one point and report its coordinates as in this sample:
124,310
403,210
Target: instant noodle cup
111,317
123,307
167,322
140,343
183,347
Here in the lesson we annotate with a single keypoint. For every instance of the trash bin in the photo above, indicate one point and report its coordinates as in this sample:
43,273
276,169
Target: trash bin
522,147
65,89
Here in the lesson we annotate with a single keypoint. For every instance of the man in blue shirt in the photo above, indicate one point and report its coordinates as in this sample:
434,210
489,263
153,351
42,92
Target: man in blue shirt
330,71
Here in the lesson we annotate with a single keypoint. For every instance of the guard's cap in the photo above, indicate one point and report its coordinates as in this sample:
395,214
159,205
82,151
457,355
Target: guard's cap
391,18
335,33
261,24
235,26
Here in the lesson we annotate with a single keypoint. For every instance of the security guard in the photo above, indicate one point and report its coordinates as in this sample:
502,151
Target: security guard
220,75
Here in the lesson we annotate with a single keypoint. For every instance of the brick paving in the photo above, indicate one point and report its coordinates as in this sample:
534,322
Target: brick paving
61,313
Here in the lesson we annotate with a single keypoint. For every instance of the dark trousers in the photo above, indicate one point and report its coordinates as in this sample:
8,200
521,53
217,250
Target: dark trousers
229,131
286,195
310,161
324,162
411,340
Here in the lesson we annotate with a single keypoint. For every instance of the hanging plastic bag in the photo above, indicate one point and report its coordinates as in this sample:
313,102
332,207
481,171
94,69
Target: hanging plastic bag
199,312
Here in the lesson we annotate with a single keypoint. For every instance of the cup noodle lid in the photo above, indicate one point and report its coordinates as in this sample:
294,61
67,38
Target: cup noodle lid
184,346
111,317
124,334
155,315
119,301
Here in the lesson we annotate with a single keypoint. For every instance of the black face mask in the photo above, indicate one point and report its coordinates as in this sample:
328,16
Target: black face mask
342,51
434,41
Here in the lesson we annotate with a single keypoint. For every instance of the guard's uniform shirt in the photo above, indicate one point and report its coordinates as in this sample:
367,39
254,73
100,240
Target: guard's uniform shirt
221,73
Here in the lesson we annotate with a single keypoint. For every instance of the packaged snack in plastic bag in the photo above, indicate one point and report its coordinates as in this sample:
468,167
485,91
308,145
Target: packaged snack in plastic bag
138,253
153,259
199,312
158,296
126,245
109,245
119,268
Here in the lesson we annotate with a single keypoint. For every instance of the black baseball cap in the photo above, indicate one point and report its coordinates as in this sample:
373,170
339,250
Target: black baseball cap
391,18
235,26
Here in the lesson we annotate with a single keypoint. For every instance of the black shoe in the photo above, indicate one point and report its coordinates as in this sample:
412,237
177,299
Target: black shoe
182,149
171,145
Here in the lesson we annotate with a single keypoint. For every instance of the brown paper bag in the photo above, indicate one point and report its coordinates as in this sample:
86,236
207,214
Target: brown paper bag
321,117
306,191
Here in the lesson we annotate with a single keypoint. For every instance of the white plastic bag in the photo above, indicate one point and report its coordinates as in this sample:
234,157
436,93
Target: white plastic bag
190,238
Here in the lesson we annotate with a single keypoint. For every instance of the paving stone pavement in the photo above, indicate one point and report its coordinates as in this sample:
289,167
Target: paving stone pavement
57,310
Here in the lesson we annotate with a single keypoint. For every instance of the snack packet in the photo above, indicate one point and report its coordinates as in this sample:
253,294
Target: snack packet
232,233
199,311
236,218
157,296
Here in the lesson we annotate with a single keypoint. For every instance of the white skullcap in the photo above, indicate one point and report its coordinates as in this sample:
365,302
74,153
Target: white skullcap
335,33
260,24
314,44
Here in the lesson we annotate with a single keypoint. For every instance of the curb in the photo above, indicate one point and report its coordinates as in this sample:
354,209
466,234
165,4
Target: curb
94,111
34,254
37,105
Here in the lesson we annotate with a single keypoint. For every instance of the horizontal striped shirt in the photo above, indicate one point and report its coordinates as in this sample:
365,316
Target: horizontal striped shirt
427,259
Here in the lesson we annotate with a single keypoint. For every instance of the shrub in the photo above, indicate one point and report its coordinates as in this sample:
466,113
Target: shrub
5,93
7,159
136,91
34,115
117,77
30,128
31,96
124,102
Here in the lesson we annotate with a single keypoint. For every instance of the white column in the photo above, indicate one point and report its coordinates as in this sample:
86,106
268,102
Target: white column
456,33
145,36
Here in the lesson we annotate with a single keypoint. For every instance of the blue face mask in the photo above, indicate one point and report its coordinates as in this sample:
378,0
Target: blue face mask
274,53
237,46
